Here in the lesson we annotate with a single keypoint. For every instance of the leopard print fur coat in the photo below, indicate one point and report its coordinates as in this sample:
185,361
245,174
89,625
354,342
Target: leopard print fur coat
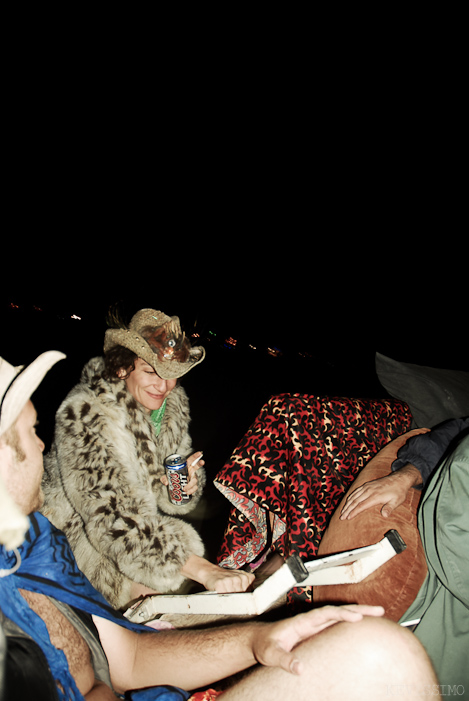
102,487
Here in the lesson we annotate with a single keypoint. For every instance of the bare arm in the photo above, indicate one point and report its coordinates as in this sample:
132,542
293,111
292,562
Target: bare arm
388,492
193,658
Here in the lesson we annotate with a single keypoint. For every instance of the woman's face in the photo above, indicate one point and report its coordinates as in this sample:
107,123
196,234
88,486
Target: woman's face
146,387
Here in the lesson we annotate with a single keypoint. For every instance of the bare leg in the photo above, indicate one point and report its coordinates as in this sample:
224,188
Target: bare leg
366,661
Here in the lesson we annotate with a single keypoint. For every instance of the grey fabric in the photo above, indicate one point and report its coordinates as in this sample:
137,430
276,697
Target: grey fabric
433,395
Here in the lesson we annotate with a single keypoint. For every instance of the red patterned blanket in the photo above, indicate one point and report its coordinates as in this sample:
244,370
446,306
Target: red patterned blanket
291,469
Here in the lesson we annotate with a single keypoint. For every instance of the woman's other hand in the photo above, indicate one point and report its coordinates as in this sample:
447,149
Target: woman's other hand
192,484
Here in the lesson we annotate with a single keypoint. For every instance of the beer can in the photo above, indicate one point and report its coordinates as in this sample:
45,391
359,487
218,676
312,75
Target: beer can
177,472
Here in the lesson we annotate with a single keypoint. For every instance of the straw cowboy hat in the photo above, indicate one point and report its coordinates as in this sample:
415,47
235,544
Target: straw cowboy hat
157,339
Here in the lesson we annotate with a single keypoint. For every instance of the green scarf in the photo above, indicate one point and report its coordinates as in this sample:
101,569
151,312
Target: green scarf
157,417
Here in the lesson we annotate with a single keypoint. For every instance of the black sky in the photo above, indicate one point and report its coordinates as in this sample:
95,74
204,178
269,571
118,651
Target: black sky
347,297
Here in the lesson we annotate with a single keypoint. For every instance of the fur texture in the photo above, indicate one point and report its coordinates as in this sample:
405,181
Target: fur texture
102,487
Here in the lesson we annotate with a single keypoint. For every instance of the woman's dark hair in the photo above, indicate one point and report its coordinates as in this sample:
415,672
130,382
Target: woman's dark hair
116,359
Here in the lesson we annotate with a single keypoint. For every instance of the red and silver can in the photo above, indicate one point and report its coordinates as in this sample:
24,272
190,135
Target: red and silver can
177,472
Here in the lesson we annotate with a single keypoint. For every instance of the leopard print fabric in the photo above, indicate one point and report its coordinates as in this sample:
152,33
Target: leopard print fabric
291,469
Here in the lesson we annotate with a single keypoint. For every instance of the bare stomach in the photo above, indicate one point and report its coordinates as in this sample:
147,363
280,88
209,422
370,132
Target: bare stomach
64,636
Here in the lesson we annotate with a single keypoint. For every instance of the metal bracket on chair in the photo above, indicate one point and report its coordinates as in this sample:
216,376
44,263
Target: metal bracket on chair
347,567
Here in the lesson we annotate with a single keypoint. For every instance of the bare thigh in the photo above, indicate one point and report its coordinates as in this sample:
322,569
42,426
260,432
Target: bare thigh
362,661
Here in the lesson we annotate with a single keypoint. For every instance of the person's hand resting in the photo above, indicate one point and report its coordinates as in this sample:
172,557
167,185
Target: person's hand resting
389,492
215,578
192,484
273,645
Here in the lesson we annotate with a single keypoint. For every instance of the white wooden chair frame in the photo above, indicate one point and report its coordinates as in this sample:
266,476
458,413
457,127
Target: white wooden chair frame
347,567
